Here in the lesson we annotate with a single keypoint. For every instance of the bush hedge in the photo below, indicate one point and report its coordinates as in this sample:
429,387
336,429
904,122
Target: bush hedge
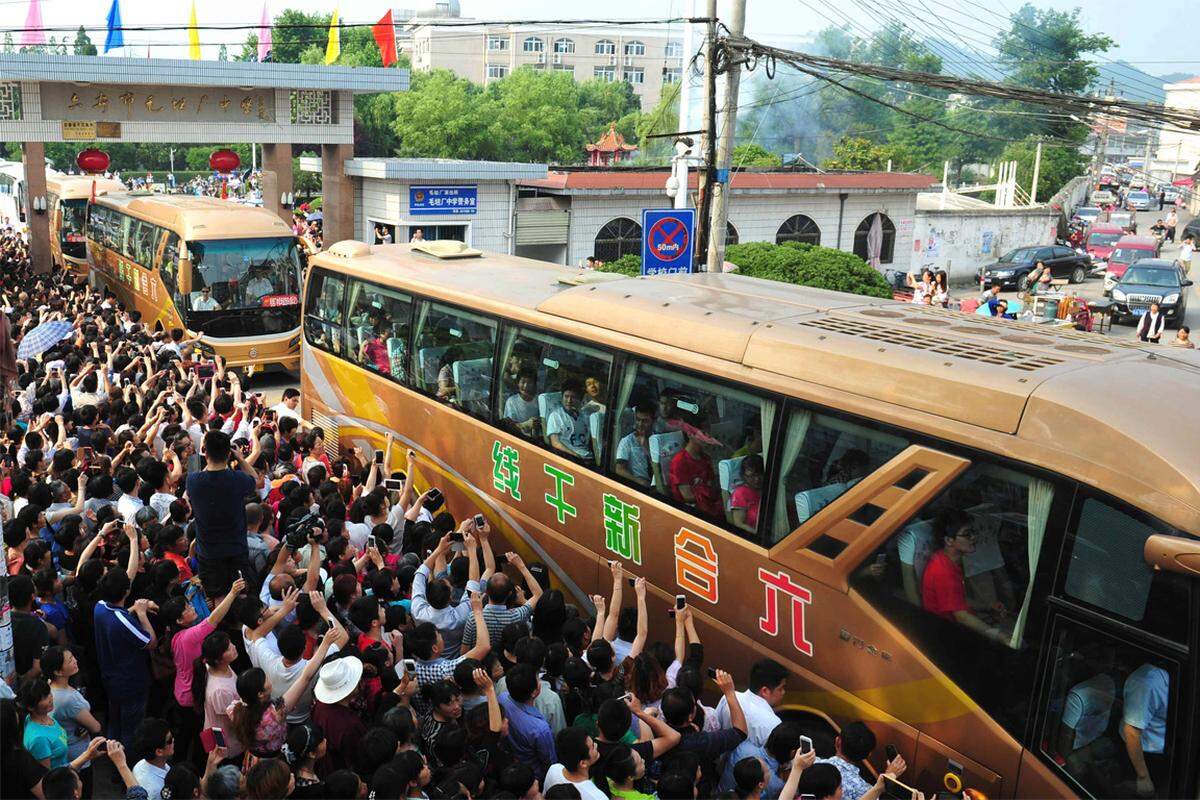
808,265
628,264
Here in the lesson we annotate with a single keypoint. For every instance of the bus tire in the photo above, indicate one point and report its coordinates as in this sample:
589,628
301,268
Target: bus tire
814,726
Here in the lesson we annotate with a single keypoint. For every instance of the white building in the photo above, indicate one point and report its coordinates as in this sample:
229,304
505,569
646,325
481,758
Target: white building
573,214
647,59
1178,153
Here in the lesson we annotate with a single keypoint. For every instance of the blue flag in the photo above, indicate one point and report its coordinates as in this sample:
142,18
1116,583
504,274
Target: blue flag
116,36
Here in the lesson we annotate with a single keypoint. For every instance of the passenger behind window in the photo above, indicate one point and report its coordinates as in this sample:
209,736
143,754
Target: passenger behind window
373,352
669,415
853,466
567,425
521,409
594,387
745,499
691,477
751,443
943,587
1081,744
1147,691
447,390
633,451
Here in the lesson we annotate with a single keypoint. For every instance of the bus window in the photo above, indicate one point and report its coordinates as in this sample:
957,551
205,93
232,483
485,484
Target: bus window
380,320
555,392
959,577
823,456
698,442
170,264
1107,570
245,274
323,321
127,235
454,354
1109,714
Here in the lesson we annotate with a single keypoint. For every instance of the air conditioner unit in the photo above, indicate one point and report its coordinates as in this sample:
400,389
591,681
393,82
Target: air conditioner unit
558,58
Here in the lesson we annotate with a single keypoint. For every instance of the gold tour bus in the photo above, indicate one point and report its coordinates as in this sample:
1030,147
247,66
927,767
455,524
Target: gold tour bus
67,198
978,536
226,271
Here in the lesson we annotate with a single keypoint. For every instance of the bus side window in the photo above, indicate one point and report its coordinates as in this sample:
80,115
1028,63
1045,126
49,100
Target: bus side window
323,320
454,350
1107,570
823,457
698,442
170,263
379,327
539,371
960,578
1109,705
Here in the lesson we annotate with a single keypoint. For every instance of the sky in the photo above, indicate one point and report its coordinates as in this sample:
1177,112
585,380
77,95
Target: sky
1148,40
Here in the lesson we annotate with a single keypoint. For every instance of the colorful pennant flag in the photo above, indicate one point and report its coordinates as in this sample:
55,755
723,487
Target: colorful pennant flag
34,33
385,37
193,35
264,36
333,48
115,36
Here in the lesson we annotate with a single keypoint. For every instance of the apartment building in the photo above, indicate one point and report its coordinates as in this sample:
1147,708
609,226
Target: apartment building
647,59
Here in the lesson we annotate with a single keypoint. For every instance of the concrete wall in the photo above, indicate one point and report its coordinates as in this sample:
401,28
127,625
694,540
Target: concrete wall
959,242
387,201
756,216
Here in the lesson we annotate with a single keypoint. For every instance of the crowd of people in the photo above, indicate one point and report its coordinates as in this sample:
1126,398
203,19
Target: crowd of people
205,604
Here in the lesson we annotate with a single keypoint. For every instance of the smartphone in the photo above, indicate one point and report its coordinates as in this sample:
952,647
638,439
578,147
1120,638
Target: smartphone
435,500
680,602
371,543
891,752
219,737
480,521
895,789
393,485
625,698
410,666
712,673
633,581
378,456
808,797
87,453
805,744
456,537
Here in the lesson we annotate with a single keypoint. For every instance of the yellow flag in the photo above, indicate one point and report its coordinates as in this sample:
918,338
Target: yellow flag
334,48
193,36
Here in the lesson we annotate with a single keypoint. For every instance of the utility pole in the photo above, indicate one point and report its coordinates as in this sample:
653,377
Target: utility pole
707,175
722,187
1037,168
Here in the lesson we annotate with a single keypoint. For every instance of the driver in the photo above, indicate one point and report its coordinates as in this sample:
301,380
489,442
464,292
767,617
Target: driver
205,301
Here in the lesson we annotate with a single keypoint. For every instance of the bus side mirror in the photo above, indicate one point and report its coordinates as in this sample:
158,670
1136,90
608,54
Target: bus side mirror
1173,554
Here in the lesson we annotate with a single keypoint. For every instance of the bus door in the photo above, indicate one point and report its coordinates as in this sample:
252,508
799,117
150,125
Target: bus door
1116,703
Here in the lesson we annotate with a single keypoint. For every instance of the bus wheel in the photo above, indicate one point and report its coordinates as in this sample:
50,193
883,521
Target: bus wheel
814,727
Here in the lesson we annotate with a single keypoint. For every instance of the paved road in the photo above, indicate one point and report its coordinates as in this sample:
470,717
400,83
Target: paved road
1094,287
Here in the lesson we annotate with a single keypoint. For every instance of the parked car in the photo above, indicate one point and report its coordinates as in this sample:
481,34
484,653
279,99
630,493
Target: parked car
1140,201
1013,268
1151,280
1126,220
1191,229
1128,250
1086,214
1171,195
1102,197
1101,239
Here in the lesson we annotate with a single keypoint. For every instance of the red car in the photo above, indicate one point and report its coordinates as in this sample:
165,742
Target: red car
1102,237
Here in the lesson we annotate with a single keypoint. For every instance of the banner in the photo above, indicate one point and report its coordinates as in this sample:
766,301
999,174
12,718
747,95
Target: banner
115,36
333,47
193,36
385,37
264,36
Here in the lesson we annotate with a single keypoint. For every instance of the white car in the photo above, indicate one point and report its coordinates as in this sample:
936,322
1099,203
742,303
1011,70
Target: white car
1101,196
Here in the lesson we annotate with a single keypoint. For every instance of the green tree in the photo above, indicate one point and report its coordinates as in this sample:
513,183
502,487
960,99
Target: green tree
1059,165
223,52
8,42
755,155
288,43
83,43
441,116
536,116
808,265
249,49
663,118
858,152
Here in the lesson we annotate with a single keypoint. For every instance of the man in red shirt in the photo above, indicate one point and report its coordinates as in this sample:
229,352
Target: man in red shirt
691,476
943,591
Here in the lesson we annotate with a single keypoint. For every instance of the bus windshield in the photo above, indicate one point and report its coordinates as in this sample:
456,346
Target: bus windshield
243,287
74,220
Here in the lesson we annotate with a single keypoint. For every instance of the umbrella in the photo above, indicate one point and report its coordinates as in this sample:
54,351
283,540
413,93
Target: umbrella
43,337
316,216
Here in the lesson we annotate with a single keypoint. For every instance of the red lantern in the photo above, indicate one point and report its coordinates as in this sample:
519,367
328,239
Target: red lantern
92,161
224,161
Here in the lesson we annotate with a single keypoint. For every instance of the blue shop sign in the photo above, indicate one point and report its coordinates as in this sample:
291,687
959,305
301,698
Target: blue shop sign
440,200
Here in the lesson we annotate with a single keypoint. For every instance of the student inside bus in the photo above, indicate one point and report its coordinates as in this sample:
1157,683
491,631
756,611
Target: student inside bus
521,407
567,425
943,586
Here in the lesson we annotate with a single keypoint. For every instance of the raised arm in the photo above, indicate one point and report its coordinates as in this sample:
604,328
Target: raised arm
483,642
664,736
489,558
643,620
291,597
226,603
296,691
614,608
131,569
598,630
484,681
535,588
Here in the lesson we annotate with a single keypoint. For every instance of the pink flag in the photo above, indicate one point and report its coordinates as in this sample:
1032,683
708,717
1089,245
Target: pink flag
34,33
264,36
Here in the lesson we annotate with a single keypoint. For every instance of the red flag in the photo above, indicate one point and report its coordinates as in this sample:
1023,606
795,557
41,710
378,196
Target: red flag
385,37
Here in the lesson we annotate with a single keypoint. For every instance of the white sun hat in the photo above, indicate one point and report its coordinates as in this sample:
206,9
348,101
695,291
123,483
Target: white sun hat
338,679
